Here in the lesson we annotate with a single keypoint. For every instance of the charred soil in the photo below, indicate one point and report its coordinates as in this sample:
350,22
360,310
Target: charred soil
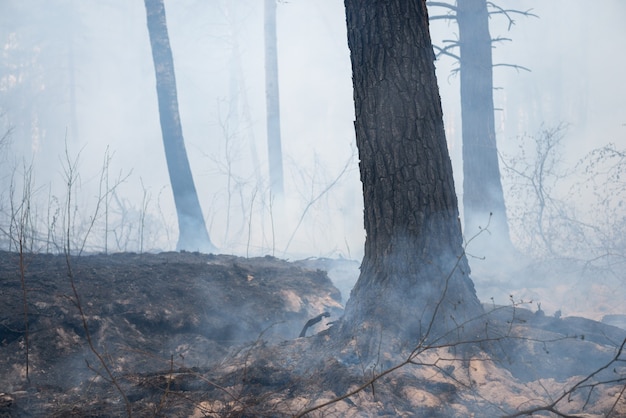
187,334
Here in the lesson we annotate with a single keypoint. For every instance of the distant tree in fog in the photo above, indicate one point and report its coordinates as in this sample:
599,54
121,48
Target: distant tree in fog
414,275
272,101
193,235
482,186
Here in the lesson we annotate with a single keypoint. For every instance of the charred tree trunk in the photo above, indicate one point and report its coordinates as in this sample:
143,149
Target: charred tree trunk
272,101
414,276
193,235
482,187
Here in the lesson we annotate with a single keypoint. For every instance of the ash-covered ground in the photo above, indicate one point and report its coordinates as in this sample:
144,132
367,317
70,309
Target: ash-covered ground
193,335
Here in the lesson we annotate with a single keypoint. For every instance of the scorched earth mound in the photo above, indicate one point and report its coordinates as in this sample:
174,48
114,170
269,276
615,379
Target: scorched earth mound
187,334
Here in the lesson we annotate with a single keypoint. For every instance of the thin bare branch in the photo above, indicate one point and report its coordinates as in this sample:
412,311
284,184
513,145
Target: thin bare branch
441,4
517,67
443,17
446,51
508,12
313,200
501,39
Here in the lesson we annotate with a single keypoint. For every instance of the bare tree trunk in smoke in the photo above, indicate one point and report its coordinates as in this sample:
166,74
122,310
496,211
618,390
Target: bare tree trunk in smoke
482,187
272,101
193,235
414,277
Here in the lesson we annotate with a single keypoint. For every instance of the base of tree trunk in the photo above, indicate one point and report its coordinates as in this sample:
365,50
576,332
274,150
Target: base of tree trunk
418,302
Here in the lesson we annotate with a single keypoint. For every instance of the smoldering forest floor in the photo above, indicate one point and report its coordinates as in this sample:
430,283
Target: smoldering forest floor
192,335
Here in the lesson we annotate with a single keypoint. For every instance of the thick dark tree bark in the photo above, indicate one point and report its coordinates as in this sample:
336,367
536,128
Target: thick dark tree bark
482,187
414,268
193,235
272,101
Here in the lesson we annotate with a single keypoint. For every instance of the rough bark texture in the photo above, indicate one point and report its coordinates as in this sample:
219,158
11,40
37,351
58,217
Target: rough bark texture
272,100
414,268
193,235
482,188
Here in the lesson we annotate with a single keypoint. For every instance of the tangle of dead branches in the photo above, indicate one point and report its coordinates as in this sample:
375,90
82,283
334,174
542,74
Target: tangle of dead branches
70,173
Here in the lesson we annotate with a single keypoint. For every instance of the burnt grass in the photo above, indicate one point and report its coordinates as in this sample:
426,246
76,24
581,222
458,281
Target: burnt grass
188,334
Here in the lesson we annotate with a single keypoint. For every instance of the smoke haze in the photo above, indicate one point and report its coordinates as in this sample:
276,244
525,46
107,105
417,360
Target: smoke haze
78,78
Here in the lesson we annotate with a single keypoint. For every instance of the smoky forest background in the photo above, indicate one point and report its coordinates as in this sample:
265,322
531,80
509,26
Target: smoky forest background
228,127
80,122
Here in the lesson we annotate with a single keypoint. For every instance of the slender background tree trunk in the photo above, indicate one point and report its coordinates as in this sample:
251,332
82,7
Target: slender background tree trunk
193,235
414,268
482,187
272,101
